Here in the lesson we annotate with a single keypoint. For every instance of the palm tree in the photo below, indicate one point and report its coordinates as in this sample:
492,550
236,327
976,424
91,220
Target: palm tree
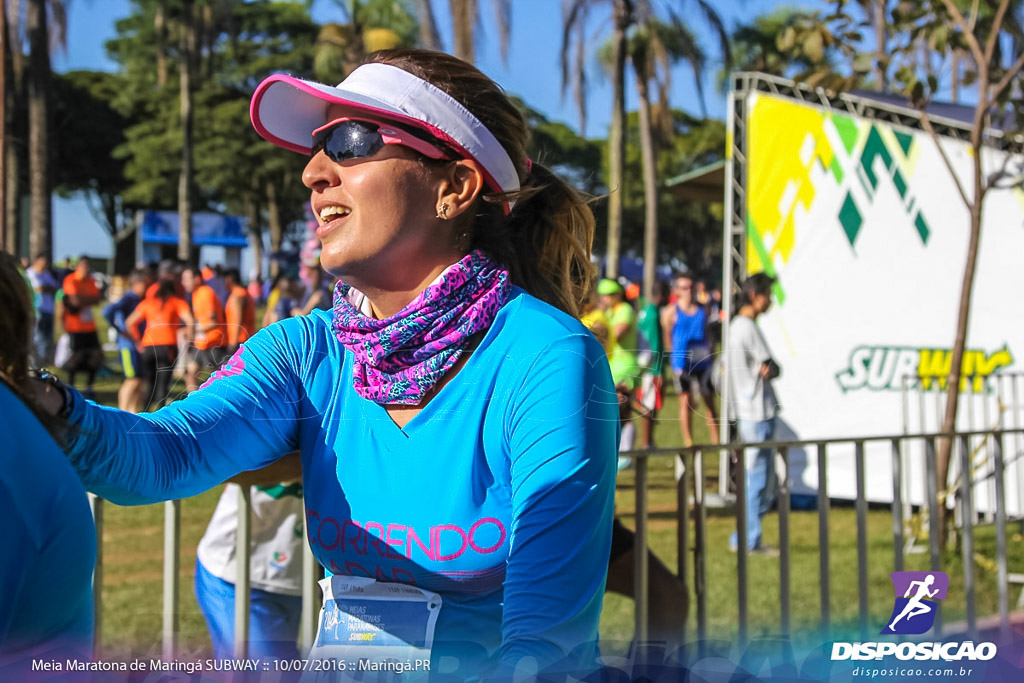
465,19
575,17
652,46
45,26
187,42
366,26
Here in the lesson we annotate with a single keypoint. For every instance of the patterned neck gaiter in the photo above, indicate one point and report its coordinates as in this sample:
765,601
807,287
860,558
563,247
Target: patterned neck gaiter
399,359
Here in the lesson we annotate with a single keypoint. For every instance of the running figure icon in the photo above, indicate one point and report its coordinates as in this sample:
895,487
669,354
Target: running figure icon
916,606
916,595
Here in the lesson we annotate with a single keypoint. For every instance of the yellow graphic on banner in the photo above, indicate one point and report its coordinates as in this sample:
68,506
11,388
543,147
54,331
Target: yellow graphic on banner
786,139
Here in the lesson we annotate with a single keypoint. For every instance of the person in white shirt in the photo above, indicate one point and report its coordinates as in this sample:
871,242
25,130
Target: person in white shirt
44,285
751,369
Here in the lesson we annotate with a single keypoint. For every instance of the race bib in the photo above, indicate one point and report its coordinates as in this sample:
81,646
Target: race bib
374,631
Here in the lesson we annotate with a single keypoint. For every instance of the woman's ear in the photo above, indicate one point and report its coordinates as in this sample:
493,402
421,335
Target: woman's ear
463,183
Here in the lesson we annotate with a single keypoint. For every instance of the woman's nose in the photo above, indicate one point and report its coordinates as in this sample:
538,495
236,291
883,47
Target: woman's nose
320,172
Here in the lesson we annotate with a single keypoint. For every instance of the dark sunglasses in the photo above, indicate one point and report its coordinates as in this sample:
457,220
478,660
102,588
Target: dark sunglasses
348,138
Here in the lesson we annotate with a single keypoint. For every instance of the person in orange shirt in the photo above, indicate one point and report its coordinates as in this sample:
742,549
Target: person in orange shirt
80,295
164,314
210,342
240,311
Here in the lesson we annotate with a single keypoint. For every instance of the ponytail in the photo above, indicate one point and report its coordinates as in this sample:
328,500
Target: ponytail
545,243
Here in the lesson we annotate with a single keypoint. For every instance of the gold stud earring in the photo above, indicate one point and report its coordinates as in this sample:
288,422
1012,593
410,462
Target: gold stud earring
442,211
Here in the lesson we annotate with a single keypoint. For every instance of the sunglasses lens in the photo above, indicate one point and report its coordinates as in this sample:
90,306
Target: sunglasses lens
349,140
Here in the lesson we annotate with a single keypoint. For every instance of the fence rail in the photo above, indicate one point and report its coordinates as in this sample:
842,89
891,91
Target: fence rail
692,486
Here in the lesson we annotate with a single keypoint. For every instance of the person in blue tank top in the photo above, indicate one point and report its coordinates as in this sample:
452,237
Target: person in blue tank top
457,425
686,343
46,605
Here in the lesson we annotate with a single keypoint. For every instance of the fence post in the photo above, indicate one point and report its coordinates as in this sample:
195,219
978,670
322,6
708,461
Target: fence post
640,582
700,550
784,581
242,542
933,516
862,540
310,611
966,500
1001,571
741,543
683,519
172,578
897,505
96,504
824,575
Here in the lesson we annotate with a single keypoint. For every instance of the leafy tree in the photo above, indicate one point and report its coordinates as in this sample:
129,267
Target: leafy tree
925,37
367,26
785,42
87,130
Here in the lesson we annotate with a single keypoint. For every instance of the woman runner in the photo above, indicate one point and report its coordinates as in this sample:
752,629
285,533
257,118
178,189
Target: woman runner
457,424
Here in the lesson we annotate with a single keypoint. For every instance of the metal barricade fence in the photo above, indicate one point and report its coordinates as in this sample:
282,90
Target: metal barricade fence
693,482
172,579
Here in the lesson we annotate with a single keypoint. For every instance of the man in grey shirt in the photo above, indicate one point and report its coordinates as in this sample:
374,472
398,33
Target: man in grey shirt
751,369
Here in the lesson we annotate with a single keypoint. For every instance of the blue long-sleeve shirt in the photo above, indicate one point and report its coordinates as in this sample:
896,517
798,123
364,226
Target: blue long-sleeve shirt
46,605
498,495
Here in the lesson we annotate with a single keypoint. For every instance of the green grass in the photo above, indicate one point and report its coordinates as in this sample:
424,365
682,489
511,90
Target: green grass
133,549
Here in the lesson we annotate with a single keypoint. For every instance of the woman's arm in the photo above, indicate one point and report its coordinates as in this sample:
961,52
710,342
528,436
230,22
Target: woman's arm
131,325
244,418
563,434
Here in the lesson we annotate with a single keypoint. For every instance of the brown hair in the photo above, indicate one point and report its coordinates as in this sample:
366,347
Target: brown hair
17,317
545,242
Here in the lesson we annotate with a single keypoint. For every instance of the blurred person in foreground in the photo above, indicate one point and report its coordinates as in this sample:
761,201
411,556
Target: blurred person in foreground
469,466
46,605
751,369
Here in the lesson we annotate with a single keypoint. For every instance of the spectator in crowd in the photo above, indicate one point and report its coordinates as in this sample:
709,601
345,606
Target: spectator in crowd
318,291
209,341
239,311
163,314
281,286
80,295
625,371
751,369
255,287
129,396
46,607
213,277
650,358
684,325
275,571
45,286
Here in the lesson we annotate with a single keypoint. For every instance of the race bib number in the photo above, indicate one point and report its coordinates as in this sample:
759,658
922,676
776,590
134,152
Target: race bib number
379,631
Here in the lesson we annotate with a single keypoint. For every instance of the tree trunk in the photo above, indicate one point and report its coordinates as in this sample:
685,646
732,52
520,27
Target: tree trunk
954,77
188,43
160,28
252,214
14,145
623,17
878,20
945,446
41,218
276,228
650,171
463,20
430,37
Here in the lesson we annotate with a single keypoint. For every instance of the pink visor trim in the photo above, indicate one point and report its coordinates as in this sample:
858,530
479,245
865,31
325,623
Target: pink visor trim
286,110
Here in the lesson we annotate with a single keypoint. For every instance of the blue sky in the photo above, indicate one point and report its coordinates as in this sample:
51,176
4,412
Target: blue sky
531,72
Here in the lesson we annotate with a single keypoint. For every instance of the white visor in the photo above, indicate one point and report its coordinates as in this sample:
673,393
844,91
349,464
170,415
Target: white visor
286,110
